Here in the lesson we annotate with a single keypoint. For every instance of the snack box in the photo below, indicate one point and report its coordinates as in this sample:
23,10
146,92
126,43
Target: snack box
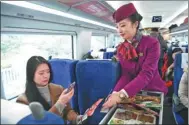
122,116
109,117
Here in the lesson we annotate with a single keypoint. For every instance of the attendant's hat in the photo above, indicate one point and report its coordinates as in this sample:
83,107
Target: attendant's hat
124,12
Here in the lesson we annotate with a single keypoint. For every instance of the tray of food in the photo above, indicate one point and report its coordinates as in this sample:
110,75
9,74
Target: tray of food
144,108
122,116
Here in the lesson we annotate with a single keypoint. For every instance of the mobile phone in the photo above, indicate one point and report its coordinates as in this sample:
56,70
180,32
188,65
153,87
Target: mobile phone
71,86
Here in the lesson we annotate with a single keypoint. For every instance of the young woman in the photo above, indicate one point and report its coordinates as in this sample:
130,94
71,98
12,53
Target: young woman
138,56
39,89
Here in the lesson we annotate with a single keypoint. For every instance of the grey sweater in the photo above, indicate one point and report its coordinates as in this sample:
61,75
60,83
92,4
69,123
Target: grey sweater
45,93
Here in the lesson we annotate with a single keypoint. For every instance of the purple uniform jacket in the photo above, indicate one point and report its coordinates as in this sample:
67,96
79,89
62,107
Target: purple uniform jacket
142,74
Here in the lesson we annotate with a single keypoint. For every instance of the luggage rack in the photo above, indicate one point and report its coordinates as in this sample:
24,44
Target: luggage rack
181,29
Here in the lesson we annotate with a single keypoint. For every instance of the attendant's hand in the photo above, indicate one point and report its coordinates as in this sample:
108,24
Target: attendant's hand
112,100
171,66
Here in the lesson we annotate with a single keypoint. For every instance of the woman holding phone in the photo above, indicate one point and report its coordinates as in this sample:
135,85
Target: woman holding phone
54,98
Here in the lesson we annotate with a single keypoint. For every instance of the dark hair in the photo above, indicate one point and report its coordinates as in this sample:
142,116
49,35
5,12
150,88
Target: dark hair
154,29
170,58
172,27
32,93
176,50
136,17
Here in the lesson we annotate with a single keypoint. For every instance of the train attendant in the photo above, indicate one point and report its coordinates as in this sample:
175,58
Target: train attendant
138,56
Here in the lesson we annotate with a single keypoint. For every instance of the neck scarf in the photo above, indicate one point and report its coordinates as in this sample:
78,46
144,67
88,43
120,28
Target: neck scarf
127,50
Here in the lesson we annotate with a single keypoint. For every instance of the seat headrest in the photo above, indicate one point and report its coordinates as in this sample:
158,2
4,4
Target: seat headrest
180,62
97,54
184,61
110,49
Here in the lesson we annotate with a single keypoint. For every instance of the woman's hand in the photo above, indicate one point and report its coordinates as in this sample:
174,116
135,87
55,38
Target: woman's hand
65,97
115,59
112,100
171,66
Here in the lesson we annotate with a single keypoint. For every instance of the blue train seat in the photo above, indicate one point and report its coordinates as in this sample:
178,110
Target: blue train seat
64,74
95,80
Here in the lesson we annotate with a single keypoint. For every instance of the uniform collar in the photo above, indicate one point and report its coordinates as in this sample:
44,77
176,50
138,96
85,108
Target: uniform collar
137,37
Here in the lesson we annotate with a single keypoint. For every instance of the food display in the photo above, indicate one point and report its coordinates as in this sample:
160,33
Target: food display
122,116
152,102
144,108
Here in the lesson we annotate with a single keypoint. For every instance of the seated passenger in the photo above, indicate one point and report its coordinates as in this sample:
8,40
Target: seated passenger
183,95
39,89
169,72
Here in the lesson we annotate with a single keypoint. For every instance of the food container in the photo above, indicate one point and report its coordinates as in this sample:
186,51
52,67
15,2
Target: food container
135,116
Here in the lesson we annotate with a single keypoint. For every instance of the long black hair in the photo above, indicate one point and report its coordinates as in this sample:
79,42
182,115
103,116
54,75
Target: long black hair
32,93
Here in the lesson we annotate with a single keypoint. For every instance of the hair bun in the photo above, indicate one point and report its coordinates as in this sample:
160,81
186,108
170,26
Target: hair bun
139,17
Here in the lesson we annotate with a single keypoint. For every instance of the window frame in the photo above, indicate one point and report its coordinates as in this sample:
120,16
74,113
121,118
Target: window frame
73,36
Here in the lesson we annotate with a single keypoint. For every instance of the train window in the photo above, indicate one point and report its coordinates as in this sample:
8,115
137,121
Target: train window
118,40
98,42
186,39
16,49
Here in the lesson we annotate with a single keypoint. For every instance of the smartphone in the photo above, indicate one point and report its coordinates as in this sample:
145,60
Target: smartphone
71,86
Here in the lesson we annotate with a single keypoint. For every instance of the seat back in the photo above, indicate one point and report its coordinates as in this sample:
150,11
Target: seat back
95,79
64,74
181,60
49,118
108,55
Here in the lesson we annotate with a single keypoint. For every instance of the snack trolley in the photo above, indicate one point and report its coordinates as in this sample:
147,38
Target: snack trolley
114,109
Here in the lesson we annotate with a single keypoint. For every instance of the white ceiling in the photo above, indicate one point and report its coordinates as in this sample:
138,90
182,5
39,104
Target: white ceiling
179,19
171,11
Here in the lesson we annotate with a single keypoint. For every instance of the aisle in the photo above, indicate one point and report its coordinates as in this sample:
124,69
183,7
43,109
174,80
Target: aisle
168,117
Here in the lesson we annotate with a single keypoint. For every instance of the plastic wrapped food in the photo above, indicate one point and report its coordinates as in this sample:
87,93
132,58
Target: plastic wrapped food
148,98
128,117
139,98
146,118
150,104
116,121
